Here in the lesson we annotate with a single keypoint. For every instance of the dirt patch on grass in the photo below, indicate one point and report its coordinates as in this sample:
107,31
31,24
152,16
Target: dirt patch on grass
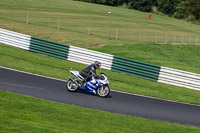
102,45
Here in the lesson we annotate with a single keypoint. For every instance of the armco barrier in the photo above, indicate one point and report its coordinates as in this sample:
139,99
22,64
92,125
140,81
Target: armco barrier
86,56
136,68
15,39
179,78
49,48
109,62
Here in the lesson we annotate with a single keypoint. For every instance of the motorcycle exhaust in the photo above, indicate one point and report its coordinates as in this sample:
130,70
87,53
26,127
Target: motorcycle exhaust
73,80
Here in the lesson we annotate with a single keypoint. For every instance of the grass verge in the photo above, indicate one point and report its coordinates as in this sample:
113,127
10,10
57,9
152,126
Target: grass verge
20,113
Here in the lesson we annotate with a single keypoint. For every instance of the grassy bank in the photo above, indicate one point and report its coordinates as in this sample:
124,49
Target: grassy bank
20,114
68,21
53,67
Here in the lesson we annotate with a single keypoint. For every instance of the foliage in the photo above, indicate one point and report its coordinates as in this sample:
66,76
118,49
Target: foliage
105,2
192,7
167,6
142,5
180,11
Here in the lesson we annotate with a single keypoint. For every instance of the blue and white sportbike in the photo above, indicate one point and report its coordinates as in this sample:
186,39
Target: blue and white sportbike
95,86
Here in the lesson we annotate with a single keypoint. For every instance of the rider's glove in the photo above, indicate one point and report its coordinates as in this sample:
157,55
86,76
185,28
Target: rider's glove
101,77
97,77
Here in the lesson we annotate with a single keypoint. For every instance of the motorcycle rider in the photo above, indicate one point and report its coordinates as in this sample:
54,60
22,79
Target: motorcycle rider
86,73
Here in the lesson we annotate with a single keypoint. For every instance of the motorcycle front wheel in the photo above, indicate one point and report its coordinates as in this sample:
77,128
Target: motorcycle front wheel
103,91
71,86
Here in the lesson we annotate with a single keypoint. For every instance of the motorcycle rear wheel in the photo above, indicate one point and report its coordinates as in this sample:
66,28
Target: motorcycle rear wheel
71,86
103,91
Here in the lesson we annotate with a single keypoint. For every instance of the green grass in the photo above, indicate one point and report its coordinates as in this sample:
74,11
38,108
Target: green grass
53,67
75,18
20,114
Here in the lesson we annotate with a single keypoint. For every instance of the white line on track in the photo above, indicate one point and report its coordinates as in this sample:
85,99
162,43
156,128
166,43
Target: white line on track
111,90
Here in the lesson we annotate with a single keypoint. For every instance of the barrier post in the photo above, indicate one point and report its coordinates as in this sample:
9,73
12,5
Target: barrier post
174,39
117,34
182,39
27,17
89,30
139,37
156,37
58,23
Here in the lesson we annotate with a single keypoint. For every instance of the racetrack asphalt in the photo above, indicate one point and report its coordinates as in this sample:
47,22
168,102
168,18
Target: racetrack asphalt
133,105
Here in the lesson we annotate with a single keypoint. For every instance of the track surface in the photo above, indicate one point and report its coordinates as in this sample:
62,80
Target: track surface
127,104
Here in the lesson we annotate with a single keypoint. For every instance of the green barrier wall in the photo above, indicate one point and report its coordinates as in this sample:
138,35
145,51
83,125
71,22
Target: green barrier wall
136,68
50,48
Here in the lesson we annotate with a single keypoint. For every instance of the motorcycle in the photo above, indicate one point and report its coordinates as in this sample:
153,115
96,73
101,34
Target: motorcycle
98,87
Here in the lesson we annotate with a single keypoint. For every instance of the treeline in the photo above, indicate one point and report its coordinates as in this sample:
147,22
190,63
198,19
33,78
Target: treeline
175,8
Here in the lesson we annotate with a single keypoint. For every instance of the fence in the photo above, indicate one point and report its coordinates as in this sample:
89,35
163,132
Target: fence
103,29
164,38
110,62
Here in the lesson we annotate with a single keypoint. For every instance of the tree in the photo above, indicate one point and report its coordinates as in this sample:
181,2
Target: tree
142,5
180,11
167,6
193,8
188,8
